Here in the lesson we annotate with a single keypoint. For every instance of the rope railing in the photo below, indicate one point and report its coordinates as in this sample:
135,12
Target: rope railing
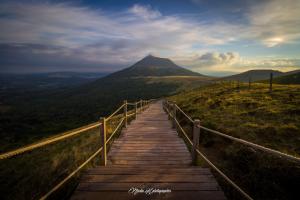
167,106
116,130
266,149
188,117
69,134
102,149
211,164
59,137
61,183
114,113
48,141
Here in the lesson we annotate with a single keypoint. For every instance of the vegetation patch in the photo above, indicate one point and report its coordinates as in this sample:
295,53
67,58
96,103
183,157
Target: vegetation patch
256,115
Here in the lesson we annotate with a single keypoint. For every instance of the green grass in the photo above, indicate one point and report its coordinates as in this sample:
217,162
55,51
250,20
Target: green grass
28,117
272,120
33,174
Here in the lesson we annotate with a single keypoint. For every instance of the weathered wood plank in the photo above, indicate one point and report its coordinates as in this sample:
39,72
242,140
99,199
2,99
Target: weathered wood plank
149,154
175,195
206,186
146,178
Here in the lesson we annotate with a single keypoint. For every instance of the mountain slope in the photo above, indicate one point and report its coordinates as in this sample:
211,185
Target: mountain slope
50,112
154,66
254,75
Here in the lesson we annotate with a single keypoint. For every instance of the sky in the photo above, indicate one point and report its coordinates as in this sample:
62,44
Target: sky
208,36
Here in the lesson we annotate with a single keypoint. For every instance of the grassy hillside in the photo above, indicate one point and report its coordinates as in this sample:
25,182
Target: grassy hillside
32,174
254,75
28,117
272,120
287,79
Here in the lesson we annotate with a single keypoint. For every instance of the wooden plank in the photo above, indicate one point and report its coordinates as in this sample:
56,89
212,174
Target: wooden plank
131,150
206,186
140,170
149,158
159,178
145,154
175,195
149,154
150,162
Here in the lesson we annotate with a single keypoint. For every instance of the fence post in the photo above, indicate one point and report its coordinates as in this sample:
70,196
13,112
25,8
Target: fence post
271,82
196,136
174,115
103,141
249,86
125,113
135,110
141,105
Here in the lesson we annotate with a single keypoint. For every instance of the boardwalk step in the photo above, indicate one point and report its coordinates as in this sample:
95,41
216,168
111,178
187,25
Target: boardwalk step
149,154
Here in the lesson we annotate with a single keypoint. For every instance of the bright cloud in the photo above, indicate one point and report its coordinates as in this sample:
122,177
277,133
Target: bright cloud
275,22
212,62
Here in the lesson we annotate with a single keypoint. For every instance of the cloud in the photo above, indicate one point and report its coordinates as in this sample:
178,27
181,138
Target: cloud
217,63
274,22
47,30
105,37
145,12
214,58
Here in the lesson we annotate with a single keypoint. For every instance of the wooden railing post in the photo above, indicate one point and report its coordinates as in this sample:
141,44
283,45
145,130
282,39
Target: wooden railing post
249,86
196,136
135,110
174,115
168,107
140,103
125,113
271,82
103,141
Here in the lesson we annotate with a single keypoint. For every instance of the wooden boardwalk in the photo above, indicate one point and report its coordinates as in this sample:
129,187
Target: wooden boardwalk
149,154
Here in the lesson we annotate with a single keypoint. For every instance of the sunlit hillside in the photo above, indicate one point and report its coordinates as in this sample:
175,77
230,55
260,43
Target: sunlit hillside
256,115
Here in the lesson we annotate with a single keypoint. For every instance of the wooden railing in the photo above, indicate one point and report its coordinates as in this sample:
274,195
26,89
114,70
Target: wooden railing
139,106
171,109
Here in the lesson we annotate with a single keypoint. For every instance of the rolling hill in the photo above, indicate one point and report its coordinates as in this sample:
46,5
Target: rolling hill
255,75
288,78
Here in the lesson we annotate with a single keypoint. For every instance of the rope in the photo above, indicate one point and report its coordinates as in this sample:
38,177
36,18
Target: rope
131,104
70,175
119,125
272,151
46,142
188,117
110,116
130,114
224,176
278,153
208,161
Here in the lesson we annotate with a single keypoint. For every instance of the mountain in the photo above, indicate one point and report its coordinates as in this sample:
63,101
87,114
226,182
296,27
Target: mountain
26,115
154,66
255,75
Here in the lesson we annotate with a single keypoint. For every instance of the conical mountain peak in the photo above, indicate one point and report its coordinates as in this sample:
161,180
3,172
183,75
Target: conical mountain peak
154,66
